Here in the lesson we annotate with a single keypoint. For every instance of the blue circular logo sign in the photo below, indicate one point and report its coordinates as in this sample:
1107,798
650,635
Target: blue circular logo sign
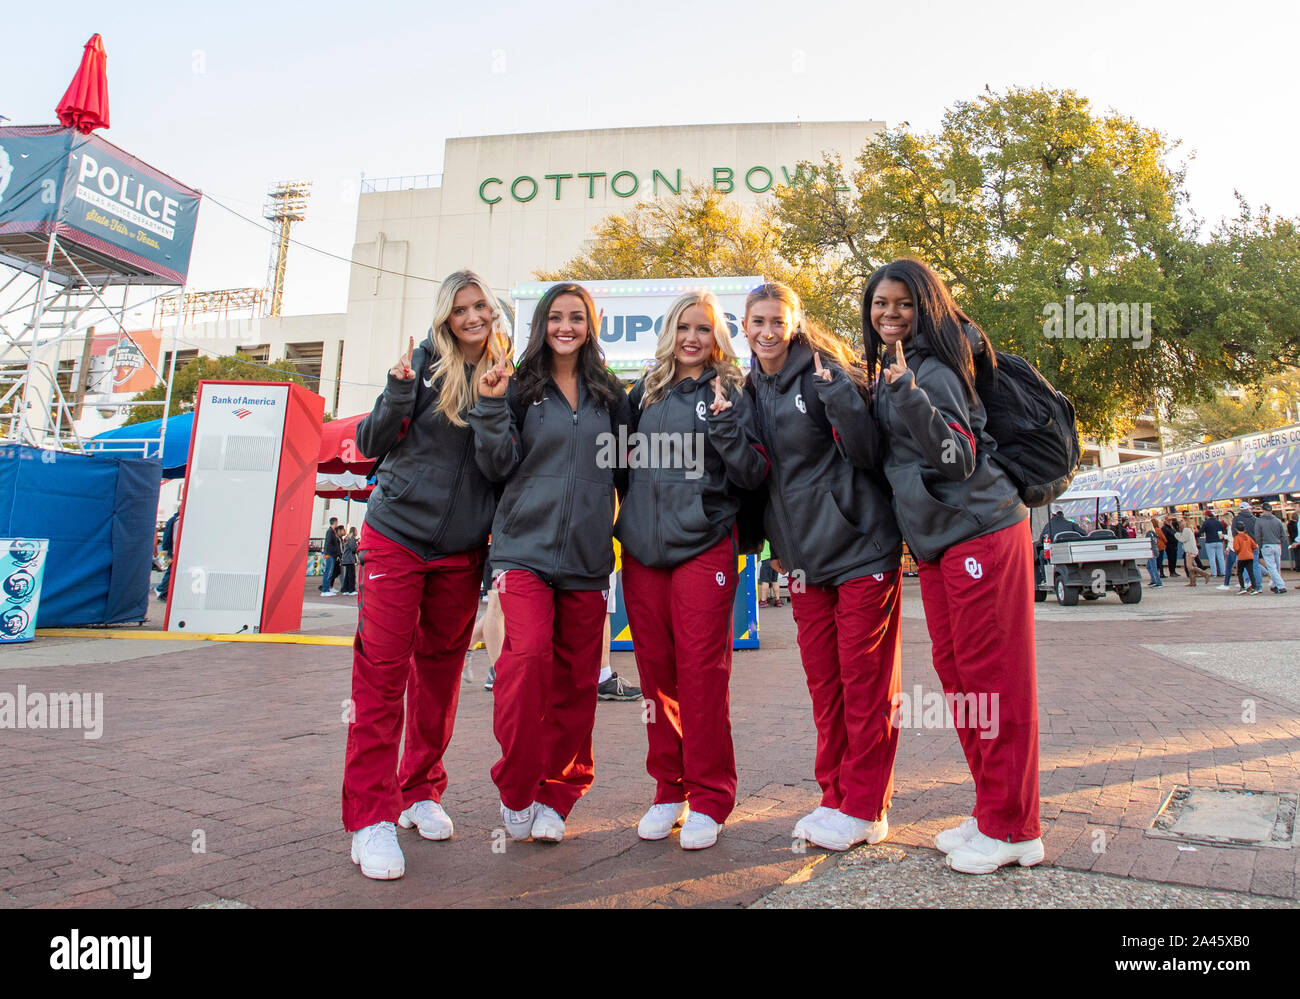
14,621
22,551
20,585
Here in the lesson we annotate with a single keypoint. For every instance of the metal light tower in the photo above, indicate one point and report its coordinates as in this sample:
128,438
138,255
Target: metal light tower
286,204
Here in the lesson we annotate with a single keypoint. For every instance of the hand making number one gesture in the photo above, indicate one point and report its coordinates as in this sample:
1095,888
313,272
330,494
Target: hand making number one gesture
825,374
496,379
899,368
402,369
720,400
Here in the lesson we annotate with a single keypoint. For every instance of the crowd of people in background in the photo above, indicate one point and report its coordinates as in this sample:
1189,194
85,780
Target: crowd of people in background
1209,546
340,559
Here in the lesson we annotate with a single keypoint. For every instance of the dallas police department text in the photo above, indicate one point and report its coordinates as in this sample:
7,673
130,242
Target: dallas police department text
57,710
100,953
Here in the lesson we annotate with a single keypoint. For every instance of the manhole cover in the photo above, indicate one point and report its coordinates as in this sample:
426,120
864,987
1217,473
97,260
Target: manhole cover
1227,818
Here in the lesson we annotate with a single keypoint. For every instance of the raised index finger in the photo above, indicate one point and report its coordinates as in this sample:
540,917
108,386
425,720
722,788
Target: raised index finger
902,358
817,362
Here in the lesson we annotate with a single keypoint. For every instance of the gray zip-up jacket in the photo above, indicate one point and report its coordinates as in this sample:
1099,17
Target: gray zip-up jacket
674,513
430,495
561,471
827,515
947,489
1271,531
1247,522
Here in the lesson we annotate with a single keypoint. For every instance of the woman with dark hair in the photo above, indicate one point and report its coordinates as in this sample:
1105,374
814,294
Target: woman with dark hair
421,557
830,527
963,520
546,434
678,531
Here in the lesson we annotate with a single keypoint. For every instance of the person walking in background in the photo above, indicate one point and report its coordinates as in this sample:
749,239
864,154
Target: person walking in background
1171,546
1244,546
421,555
1272,542
1153,536
348,543
1161,544
1245,521
1214,530
964,520
1293,540
332,551
1187,538
166,545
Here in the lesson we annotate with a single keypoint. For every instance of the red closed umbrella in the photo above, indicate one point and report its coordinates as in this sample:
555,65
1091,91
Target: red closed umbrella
85,105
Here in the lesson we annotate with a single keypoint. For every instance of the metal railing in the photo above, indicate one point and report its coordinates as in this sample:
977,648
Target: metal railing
413,182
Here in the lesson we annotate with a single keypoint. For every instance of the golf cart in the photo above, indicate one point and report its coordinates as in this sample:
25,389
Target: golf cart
1074,564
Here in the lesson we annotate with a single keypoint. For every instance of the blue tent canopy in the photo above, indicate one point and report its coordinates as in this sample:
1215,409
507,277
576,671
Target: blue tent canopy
176,443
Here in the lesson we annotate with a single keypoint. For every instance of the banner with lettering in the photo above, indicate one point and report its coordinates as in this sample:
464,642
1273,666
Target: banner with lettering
97,196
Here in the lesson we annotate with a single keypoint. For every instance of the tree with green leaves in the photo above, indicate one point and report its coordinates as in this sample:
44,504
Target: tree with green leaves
1030,204
185,385
699,233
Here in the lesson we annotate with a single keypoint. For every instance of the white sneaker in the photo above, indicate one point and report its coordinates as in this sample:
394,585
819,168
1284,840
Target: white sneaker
329,593
519,824
659,820
838,831
548,825
699,832
429,818
815,815
950,839
375,849
1225,586
983,855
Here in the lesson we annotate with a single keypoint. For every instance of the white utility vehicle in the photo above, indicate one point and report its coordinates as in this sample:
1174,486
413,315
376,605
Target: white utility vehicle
1073,564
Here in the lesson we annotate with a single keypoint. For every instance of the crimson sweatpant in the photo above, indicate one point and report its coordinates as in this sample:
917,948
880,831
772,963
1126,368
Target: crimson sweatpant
979,608
415,621
544,703
681,621
850,642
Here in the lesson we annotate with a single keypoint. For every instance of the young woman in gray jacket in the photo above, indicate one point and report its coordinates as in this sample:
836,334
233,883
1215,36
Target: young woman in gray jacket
830,526
694,443
963,520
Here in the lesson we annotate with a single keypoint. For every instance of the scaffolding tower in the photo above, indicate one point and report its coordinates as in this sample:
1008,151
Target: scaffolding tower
286,204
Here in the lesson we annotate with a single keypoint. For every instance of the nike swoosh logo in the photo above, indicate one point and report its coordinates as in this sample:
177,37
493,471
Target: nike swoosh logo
380,576
428,383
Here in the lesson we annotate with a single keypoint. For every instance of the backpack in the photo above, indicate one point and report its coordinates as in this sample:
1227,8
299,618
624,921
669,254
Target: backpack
1033,424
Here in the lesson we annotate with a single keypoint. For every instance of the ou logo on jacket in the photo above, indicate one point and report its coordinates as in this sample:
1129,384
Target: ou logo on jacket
720,578
973,568
799,404
700,410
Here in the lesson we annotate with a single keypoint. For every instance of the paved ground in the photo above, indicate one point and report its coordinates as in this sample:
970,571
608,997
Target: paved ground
217,777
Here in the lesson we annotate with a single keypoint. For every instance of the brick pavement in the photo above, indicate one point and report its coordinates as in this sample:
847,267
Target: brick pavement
241,746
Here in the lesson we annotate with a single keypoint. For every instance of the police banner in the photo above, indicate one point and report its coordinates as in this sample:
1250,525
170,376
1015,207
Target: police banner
634,313
54,179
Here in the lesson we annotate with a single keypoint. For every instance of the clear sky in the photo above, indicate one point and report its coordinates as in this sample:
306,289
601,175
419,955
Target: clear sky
233,96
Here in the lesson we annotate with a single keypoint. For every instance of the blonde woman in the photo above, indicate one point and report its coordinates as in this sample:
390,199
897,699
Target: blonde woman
420,562
677,529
